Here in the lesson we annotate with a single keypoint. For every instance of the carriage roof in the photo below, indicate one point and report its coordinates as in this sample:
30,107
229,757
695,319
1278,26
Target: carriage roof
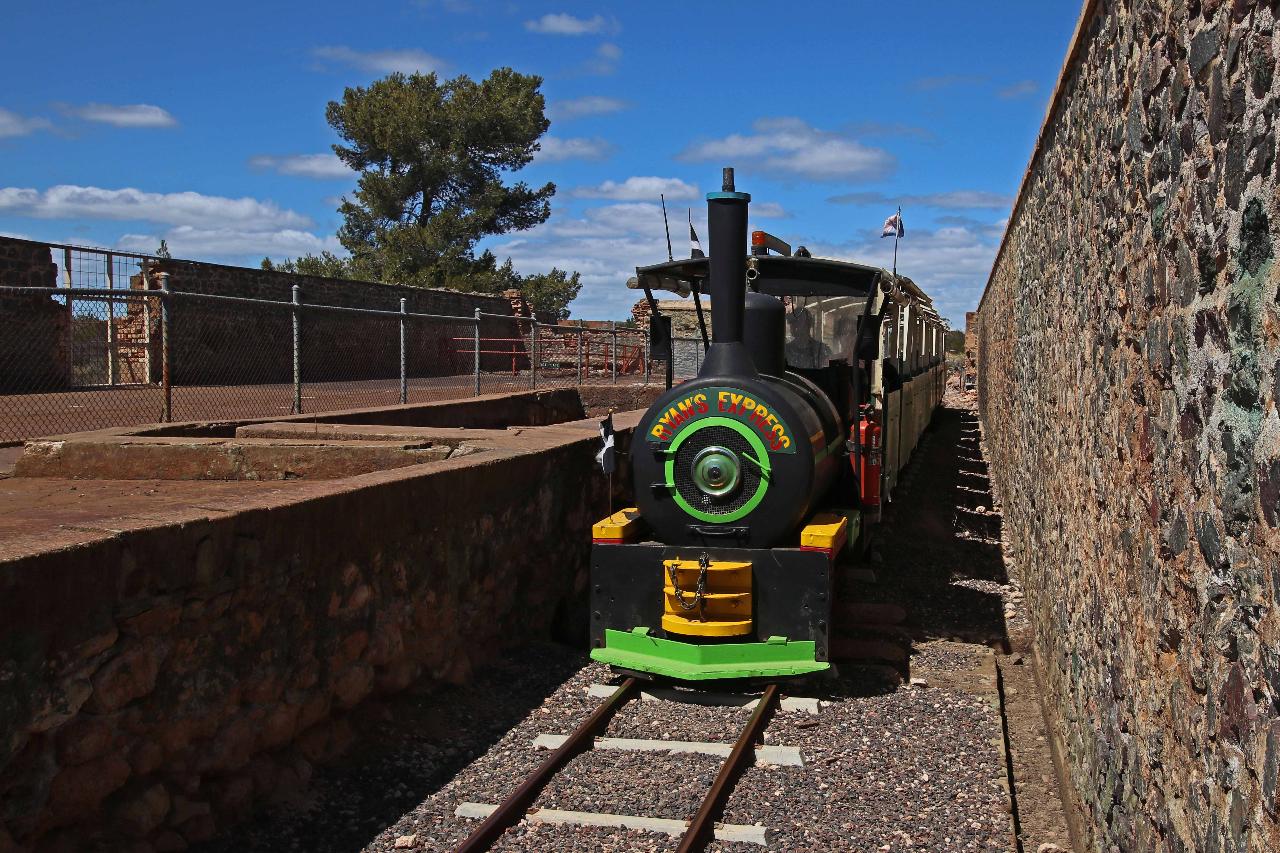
781,275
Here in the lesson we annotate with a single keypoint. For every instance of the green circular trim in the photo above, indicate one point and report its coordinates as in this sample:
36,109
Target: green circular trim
732,196
756,444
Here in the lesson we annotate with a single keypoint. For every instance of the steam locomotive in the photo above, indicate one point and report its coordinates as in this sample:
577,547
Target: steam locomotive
754,479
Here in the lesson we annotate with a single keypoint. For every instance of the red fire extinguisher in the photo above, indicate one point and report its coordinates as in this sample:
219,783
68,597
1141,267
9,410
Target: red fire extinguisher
869,437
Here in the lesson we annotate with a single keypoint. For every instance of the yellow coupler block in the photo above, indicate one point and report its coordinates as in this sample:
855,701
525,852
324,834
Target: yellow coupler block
826,531
622,526
725,609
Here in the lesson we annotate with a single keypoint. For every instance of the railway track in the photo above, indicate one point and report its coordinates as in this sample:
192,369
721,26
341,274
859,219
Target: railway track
694,836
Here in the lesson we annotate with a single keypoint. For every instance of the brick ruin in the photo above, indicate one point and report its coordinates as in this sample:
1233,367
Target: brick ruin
34,350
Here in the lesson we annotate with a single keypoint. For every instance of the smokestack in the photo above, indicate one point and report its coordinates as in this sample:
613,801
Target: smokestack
727,229
727,224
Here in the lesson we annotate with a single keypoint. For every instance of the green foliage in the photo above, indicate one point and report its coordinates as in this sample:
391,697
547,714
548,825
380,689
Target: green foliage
431,158
325,264
551,292
163,250
955,341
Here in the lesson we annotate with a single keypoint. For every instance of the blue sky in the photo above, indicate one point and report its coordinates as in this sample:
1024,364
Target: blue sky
203,124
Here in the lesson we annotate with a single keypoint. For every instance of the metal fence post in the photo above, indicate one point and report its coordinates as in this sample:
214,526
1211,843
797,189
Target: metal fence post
296,310
613,330
533,354
146,325
166,410
579,373
111,321
404,359
71,314
647,366
476,390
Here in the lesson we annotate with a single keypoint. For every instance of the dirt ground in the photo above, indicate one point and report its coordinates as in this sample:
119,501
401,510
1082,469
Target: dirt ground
25,416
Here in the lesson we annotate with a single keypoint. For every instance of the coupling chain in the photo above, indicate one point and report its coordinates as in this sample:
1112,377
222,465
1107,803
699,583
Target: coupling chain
704,562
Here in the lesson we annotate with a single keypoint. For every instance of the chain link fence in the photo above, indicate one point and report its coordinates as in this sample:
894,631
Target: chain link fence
114,346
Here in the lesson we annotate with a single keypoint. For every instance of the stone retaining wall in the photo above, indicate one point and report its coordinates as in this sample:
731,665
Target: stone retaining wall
1128,345
159,681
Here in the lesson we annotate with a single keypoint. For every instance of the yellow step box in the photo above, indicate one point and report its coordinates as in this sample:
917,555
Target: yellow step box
623,526
722,610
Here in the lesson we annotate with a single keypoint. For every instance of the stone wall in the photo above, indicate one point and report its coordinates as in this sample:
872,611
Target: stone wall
216,343
969,374
166,679
1128,380
33,346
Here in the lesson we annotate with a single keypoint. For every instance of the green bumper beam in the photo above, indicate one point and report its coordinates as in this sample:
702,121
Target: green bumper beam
776,657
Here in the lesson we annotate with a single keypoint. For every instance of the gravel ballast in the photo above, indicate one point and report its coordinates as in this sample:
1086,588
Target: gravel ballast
887,767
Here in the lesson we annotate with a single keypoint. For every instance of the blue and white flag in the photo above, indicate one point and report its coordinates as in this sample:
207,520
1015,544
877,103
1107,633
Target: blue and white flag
606,456
893,226
695,247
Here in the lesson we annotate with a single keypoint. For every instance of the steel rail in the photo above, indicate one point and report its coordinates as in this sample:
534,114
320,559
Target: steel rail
514,807
702,827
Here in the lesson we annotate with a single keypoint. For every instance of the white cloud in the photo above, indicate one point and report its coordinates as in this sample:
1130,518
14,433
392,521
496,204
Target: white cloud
556,149
406,61
951,264
951,200
605,60
188,242
1020,89
124,115
304,165
563,24
790,146
588,105
12,124
184,208
639,189
605,244
768,210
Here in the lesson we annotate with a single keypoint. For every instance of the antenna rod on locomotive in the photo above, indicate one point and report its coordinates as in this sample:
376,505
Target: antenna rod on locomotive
662,197
727,228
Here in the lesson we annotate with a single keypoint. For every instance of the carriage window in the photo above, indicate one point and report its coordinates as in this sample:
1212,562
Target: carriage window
820,329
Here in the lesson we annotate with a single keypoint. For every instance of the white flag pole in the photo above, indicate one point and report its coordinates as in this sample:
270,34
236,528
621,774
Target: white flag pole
896,231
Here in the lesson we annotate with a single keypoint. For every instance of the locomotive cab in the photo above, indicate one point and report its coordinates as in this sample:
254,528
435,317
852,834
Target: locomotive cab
753,479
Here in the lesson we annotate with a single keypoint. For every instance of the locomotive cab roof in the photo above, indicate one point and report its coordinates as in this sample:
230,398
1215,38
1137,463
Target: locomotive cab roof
782,275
